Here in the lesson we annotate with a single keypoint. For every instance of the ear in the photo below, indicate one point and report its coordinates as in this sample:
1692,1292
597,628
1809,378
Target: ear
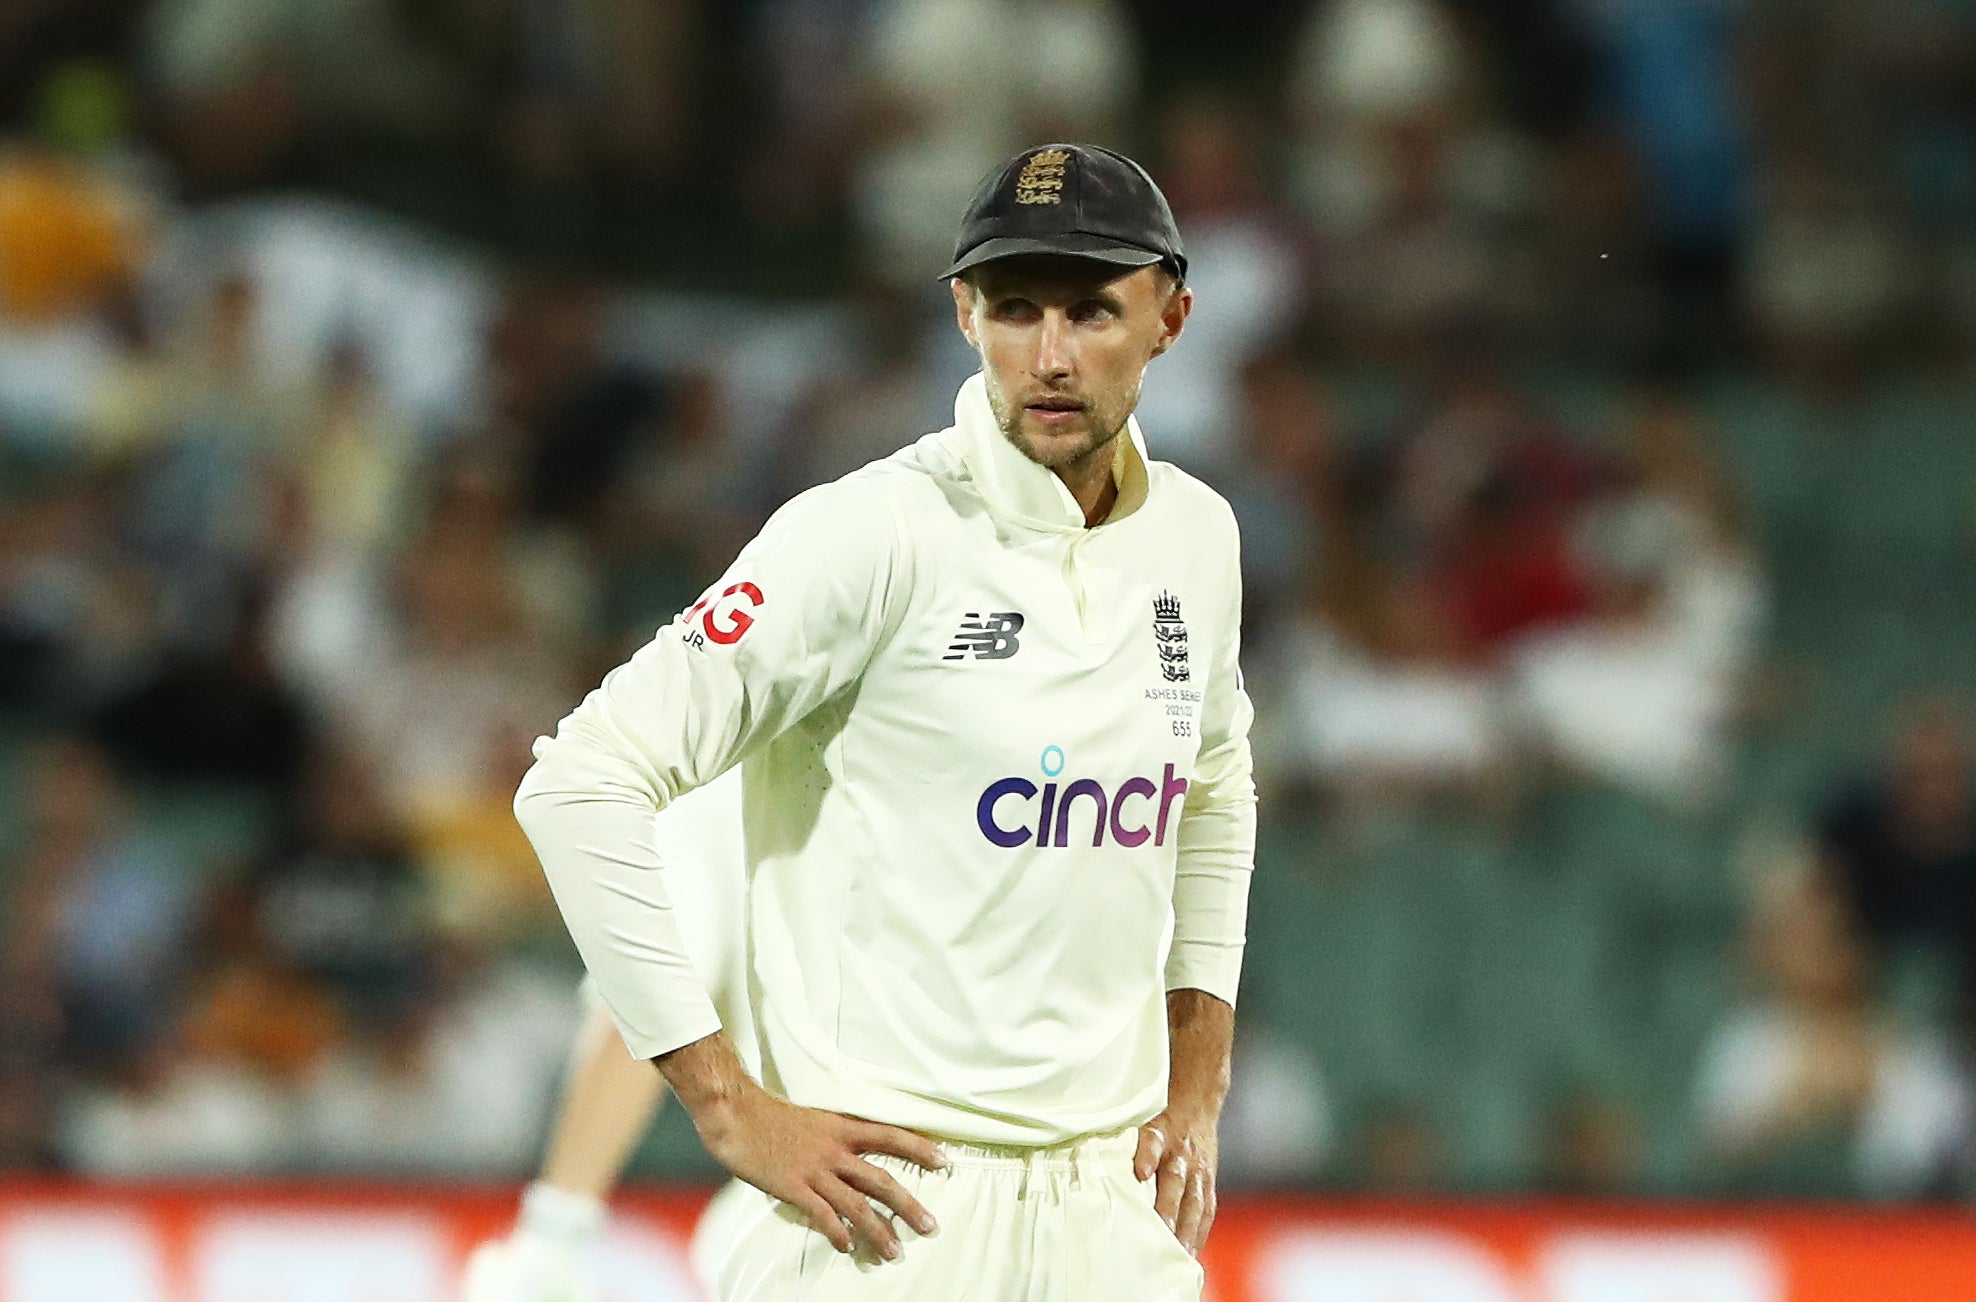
964,308
1173,318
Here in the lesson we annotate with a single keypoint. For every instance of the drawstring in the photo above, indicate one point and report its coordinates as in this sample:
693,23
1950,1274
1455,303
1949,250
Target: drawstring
1038,1159
1031,1161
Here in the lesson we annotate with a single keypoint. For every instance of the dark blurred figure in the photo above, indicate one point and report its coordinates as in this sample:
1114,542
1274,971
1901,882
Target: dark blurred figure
573,417
1670,77
29,1087
1900,844
338,899
219,716
1286,489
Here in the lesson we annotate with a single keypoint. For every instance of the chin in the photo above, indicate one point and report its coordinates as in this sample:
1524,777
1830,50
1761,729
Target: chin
1058,447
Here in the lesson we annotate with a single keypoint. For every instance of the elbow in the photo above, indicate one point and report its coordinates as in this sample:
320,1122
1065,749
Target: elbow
565,776
533,796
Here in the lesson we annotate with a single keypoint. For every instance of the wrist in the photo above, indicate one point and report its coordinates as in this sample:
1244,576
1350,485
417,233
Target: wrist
707,1079
1193,1116
571,1221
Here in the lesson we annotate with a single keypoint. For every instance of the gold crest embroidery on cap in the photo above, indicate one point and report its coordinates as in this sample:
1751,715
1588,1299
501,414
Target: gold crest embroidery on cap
1041,178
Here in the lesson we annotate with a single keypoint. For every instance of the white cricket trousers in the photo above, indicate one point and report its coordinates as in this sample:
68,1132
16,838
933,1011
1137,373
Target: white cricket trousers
1062,1224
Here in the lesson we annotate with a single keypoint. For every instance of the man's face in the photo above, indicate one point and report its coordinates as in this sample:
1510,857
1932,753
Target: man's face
1064,344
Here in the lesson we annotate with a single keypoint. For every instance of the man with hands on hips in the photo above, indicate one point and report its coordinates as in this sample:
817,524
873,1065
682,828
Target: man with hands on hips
996,805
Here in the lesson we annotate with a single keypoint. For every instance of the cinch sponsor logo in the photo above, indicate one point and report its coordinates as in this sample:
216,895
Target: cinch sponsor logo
1140,809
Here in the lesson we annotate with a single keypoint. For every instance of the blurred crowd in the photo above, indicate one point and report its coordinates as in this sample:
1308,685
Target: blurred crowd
375,375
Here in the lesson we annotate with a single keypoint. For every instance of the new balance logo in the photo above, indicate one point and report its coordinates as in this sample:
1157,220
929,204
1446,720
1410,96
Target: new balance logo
986,637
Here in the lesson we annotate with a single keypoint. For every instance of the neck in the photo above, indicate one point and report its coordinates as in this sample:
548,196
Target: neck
1090,481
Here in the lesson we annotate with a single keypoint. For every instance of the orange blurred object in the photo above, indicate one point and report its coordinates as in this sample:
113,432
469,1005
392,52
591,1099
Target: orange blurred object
68,238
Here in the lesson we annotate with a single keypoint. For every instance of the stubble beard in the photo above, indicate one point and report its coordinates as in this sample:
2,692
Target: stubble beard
1099,433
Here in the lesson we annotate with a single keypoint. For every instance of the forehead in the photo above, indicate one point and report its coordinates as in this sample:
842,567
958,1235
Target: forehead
1053,278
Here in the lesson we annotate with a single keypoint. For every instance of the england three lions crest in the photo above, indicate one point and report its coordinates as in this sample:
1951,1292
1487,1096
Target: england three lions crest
1170,637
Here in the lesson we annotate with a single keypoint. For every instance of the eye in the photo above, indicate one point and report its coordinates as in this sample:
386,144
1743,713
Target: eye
1013,309
1092,310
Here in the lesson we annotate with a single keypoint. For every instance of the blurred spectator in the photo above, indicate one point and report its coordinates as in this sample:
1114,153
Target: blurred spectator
1478,492
809,51
220,716
473,667
1899,845
573,418
1379,701
1672,89
1245,264
1645,688
354,469
76,223
954,87
455,1078
1595,1145
1276,1130
883,398
71,236
101,914
1287,488
210,439
1804,1089
75,619
245,84
1415,184
216,1093
1373,90
338,899
1824,327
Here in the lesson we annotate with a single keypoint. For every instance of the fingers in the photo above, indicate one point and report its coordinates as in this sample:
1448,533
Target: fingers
854,1207
1196,1212
868,1179
1152,1147
823,1217
1172,1183
870,1137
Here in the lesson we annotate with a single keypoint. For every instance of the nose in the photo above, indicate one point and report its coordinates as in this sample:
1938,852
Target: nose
1053,347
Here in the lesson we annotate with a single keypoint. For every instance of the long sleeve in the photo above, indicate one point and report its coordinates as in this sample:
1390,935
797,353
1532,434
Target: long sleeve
792,623
1217,849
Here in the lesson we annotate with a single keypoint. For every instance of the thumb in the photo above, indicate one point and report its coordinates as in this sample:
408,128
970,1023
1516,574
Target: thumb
1152,1147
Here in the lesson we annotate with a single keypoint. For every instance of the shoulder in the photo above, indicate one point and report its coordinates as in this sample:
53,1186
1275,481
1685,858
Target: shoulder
867,500
867,519
1197,506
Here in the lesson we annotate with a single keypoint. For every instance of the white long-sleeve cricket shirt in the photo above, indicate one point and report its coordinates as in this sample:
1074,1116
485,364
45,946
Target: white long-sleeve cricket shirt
996,790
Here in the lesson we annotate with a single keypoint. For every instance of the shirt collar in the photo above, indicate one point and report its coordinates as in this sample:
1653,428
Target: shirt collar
1018,488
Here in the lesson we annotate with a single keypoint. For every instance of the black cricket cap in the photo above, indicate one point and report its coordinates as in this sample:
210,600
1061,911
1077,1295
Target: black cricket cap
1077,201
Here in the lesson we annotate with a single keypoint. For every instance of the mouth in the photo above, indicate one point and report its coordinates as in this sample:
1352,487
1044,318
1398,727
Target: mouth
1054,410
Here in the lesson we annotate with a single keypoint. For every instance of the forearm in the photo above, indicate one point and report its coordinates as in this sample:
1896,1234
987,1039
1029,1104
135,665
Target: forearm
1201,1041
591,826
607,1104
